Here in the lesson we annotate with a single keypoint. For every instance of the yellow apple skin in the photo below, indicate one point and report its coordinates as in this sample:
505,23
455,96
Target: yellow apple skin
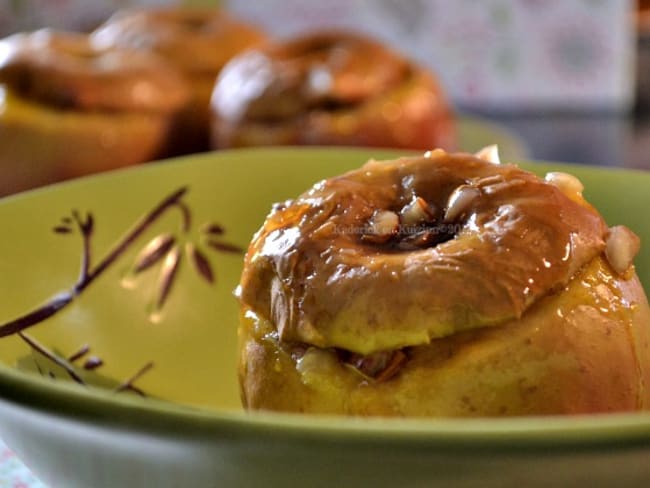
583,349
42,145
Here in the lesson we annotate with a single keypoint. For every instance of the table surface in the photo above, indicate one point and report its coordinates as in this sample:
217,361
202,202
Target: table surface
13,473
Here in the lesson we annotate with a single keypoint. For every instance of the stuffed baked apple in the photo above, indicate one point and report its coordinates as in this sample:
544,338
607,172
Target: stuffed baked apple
443,285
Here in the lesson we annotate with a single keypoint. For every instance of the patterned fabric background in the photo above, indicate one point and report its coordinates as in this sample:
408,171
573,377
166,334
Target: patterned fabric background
488,53
505,54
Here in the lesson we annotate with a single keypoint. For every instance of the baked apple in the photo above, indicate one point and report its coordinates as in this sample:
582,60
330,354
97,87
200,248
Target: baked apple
443,285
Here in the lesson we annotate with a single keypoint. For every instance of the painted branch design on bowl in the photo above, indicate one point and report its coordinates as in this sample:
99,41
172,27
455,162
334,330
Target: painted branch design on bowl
74,372
169,250
166,249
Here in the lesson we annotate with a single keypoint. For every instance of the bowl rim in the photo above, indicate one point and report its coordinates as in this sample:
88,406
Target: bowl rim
99,408
103,409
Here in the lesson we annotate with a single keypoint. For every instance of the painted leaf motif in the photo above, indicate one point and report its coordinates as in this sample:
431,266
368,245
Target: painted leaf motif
83,350
167,275
153,252
93,362
62,229
159,248
201,263
225,247
213,229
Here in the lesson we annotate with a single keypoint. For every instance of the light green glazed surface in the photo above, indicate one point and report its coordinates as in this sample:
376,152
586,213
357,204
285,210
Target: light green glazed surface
193,341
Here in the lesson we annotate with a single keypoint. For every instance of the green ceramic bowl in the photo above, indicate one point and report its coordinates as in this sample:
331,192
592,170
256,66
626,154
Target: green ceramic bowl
120,286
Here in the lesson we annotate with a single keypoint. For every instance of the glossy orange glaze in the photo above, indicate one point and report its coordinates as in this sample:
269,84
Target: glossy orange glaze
329,88
310,272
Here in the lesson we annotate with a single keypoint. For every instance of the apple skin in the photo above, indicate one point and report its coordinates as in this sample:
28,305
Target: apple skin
425,121
583,349
409,111
45,145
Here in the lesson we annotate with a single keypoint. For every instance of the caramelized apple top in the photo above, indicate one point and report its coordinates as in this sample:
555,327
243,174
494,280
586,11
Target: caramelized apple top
399,252
199,41
69,71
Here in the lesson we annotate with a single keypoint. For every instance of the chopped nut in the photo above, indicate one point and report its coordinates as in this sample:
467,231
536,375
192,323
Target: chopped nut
505,185
383,225
622,247
325,230
459,200
488,180
489,154
568,184
416,211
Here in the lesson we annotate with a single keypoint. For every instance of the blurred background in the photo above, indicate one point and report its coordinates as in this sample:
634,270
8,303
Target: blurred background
570,78
560,74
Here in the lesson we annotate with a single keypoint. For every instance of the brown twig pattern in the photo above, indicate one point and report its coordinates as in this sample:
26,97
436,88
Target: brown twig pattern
165,248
